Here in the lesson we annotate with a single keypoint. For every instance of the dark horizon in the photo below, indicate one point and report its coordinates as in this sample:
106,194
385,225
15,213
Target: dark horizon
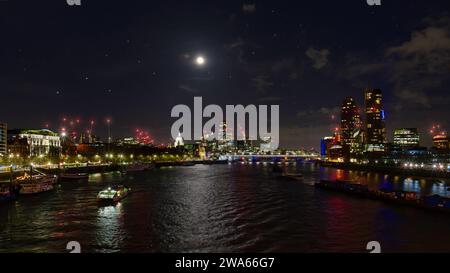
133,62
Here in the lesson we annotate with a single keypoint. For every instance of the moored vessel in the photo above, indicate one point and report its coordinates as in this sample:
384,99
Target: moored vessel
32,184
398,197
292,176
132,168
8,192
74,176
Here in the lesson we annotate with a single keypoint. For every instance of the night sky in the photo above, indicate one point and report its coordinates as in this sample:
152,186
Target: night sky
134,60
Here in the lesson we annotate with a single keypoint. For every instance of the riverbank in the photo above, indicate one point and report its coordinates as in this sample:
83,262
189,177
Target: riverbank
434,203
105,168
390,170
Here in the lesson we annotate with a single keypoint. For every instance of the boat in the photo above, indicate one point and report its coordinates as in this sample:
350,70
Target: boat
343,186
397,197
437,201
113,194
32,184
8,193
74,176
132,168
187,163
292,176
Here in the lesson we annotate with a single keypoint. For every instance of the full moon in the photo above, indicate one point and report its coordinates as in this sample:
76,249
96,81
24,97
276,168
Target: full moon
200,60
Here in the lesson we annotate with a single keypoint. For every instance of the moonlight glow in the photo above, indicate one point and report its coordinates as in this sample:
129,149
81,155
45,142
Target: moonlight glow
200,60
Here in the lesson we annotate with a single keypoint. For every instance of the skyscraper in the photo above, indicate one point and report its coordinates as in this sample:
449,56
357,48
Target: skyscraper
375,126
406,138
351,128
3,139
441,142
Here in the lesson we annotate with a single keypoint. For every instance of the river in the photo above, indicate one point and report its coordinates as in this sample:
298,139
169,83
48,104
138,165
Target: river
224,208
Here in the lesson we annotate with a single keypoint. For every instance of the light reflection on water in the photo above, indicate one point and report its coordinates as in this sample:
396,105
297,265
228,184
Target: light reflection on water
110,226
224,208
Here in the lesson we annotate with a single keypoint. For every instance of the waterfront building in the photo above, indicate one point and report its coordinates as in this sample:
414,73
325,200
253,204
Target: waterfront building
325,145
406,138
267,145
18,147
336,153
441,142
179,141
375,121
225,141
40,142
126,141
3,139
242,145
88,138
331,148
351,130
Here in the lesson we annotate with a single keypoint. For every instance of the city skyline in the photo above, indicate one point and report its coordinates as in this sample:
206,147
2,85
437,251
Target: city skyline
224,135
154,57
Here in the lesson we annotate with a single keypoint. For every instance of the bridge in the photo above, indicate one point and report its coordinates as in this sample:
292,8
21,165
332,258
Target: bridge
256,157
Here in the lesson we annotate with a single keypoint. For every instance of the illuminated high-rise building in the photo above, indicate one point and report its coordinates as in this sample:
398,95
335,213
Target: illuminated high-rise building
441,142
3,139
351,130
331,148
225,138
325,144
375,126
406,138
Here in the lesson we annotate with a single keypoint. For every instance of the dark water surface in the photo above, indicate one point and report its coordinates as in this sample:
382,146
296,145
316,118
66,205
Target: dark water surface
223,208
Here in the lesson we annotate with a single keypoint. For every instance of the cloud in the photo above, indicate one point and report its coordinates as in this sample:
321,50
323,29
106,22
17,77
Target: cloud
284,64
201,79
262,83
270,99
356,67
308,135
427,41
412,95
186,56
421,64
248,8
417,68
188,88
237,46
319,57
318,114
